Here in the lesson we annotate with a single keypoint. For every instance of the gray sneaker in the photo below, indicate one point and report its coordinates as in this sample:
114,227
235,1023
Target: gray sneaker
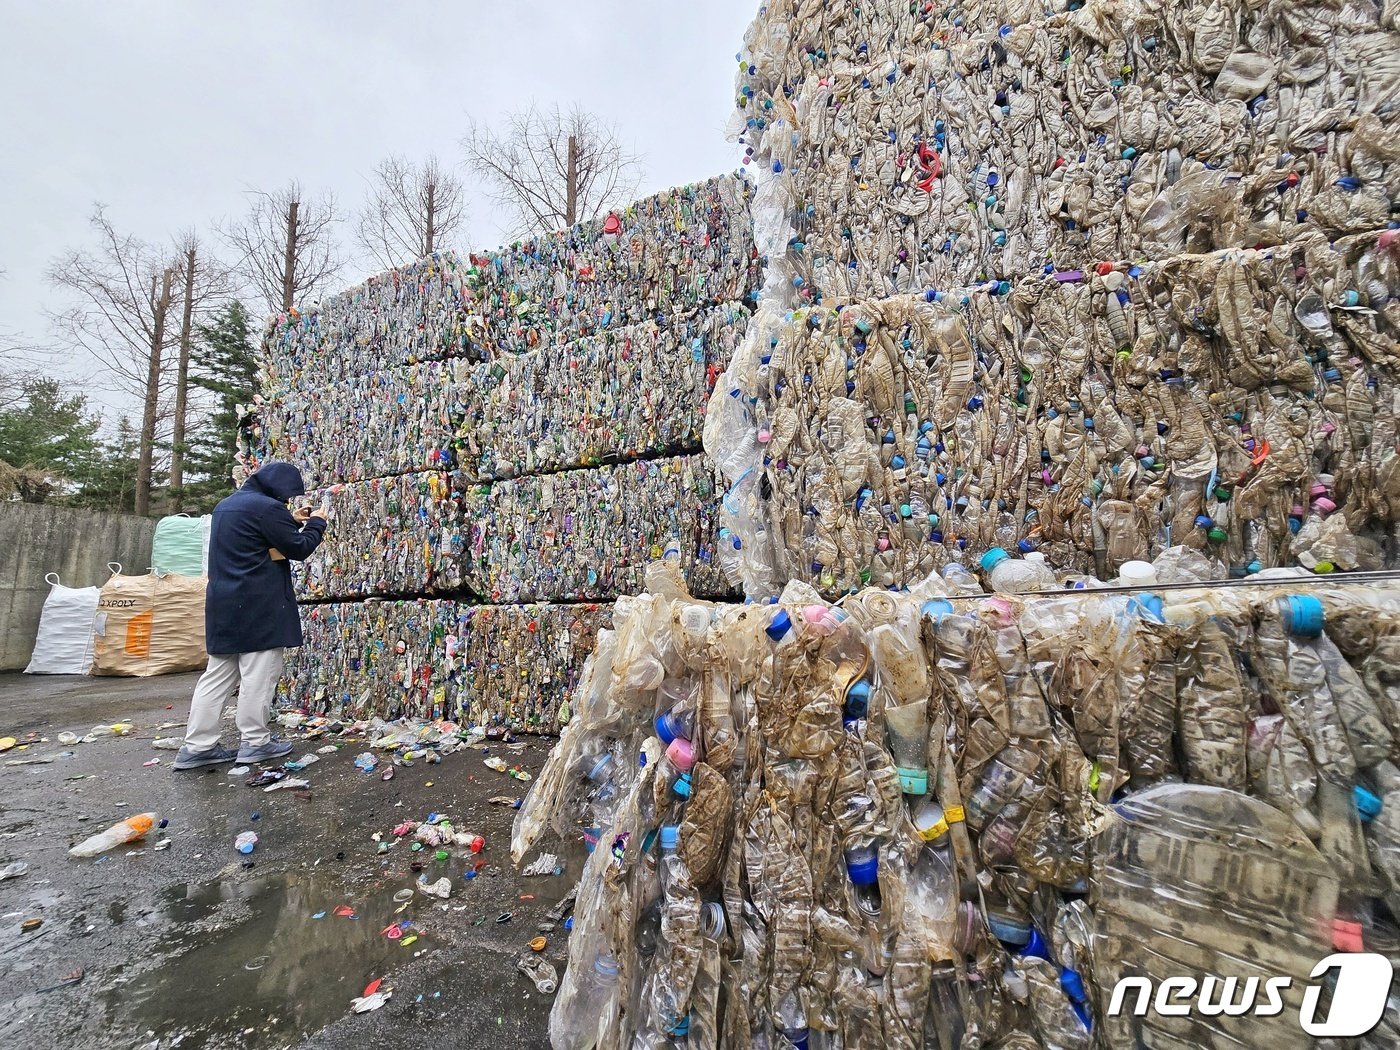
215,756
269,752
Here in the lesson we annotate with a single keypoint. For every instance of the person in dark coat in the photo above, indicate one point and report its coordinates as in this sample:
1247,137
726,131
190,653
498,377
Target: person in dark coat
250,614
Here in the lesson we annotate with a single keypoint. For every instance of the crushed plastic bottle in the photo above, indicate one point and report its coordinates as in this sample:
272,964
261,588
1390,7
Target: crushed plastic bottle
128,830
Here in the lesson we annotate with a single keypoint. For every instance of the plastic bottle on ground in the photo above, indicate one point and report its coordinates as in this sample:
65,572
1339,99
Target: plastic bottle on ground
128,830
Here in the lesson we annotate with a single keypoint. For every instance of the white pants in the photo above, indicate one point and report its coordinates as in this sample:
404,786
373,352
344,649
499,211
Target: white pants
256,676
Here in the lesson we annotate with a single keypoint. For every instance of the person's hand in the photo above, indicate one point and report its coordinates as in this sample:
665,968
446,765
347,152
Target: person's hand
301,514
323,511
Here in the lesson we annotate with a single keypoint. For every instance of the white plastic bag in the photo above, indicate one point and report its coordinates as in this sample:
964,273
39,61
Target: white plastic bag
64,643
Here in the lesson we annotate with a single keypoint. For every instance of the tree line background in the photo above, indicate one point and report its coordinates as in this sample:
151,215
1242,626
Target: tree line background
174,327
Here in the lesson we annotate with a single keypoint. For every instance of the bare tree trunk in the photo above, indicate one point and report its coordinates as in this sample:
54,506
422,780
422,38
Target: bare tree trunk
432,209
148,416
571,203
290,259
177,440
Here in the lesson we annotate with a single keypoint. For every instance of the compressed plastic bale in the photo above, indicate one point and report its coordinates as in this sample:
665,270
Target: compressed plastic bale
588,533
510,665
626,392
912,156
384,422
1262,873
392,536
679,250
883,456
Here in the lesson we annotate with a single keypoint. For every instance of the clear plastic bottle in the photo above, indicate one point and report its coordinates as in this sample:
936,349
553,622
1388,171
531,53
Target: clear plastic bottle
1009,575
933,896
960,579
791,1019
574,1020
128,830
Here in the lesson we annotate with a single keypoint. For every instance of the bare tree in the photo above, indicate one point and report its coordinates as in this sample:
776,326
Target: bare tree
123,289
552,169
203,280
285,246
410,212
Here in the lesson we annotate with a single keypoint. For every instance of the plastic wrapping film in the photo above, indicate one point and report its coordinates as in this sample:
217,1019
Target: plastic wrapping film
628,392
950,819
675,252
588,534
919,145
1242,403
400,535
513,665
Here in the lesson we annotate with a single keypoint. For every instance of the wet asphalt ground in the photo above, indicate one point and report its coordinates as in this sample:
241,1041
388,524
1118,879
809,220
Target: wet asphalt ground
186,946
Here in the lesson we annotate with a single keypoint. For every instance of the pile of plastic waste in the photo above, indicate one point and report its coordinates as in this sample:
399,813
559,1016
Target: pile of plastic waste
1097,281
952,818
509,665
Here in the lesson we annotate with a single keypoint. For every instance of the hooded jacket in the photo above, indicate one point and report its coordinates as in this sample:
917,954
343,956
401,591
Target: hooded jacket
249,603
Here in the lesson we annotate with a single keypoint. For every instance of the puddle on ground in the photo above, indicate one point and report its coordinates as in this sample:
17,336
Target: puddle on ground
246,965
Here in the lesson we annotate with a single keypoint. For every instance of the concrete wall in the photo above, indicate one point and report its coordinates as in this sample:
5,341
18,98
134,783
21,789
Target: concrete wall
77,544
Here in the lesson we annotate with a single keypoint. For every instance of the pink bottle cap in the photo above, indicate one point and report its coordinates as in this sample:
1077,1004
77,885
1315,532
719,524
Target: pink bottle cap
1319,490
1323,505
682,754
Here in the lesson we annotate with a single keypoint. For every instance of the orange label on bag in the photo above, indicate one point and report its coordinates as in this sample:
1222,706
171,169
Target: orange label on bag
138,634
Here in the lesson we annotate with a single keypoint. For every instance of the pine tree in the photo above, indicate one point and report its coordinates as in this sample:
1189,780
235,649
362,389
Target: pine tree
48,442
224,362
109,481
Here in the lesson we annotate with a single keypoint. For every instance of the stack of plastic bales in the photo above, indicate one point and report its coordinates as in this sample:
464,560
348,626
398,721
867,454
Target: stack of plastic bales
509,431
1094,281
946,818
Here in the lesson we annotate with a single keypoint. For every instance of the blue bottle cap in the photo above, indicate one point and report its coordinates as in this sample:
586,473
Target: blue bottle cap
993,558
937,608
779,626
1010,932
681,787
1073,985
1367,804
858,699
670,836
864,872
681,1027
601,766
668,727
1036,946
1302,615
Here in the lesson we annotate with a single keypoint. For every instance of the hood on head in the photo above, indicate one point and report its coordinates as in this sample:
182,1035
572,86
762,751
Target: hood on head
279,480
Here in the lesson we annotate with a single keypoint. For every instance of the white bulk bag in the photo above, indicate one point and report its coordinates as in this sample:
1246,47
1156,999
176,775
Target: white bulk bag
64,644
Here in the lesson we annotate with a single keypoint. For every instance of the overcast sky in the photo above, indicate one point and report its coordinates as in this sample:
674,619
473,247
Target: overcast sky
169,113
